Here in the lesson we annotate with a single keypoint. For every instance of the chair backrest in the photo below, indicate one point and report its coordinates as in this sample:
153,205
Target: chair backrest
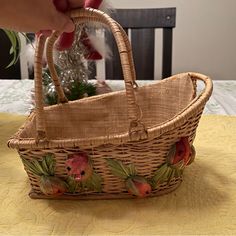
142,24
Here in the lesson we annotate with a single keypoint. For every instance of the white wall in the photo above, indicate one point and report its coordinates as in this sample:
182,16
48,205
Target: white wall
204,37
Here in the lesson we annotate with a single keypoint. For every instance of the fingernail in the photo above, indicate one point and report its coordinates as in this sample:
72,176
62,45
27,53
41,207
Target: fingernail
69,27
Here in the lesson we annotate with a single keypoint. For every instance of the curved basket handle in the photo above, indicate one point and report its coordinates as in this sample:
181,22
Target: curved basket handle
137,129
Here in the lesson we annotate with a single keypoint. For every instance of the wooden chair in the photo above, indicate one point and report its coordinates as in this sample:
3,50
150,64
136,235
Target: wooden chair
142,24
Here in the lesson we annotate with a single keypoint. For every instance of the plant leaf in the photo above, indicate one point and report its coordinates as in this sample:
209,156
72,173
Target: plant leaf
16,46
27,39
11,36
11,50
19,47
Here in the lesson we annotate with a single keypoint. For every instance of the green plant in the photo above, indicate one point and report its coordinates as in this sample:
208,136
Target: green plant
15,46
15,49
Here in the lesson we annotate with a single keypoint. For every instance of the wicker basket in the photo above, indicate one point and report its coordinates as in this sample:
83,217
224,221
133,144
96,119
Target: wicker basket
135,128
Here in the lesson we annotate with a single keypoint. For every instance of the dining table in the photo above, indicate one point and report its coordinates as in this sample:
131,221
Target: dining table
204,203
16,95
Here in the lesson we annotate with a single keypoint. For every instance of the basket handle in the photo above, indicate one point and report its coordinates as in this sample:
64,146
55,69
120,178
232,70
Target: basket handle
137,129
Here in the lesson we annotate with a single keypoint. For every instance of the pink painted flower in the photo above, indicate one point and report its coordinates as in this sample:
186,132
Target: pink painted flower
79,167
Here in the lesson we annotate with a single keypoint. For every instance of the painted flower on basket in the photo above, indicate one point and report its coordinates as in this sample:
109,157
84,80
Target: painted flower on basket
45,169
181,154
79,166
81,176
181,151
138,186
135,184
52,185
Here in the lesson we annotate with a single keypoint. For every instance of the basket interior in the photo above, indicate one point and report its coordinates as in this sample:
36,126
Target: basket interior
106,115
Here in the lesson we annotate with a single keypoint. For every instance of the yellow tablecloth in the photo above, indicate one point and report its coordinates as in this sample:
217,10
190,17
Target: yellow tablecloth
205,203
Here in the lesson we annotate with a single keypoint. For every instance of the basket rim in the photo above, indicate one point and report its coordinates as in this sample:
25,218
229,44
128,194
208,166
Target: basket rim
196,105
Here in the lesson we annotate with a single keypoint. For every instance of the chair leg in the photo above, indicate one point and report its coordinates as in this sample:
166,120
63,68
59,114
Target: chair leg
92,70
167,52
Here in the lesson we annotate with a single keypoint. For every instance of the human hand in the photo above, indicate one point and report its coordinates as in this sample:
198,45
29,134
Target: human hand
35,15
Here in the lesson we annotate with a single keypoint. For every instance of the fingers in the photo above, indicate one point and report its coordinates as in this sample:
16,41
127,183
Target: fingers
62,23
41,15
68,27
76,3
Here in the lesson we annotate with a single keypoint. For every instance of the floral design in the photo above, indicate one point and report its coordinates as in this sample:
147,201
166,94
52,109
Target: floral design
81,175
45,169
135,184
180,155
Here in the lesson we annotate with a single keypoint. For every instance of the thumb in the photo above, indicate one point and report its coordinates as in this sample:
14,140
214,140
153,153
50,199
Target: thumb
63,23
69,26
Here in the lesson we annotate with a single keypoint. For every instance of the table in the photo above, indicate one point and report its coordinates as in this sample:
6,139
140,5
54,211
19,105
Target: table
15,96
204,204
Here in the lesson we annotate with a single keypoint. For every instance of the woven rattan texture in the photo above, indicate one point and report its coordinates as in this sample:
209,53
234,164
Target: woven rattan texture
138,125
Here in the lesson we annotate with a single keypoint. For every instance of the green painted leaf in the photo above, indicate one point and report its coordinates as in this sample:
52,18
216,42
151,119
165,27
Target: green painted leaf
180,165
72,185
171,154
171,176
93,183
158,175
177,173
39,167
130,186
31,167
168,174
97,182
118,169
50,162
44,167
131,170
163,174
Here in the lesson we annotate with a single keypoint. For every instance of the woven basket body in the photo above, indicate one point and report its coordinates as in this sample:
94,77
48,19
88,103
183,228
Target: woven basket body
138,125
